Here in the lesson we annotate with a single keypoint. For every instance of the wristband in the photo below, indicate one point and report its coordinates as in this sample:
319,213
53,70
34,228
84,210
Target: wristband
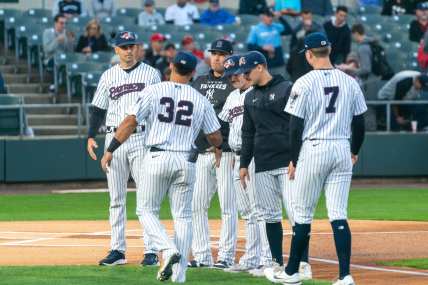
114,144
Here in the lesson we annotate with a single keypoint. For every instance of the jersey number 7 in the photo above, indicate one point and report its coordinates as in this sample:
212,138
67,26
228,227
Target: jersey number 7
333,91
183,115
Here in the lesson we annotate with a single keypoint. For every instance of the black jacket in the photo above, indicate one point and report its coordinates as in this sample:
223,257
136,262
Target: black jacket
265,130
416,31
96,44
253,7
340,38
216,89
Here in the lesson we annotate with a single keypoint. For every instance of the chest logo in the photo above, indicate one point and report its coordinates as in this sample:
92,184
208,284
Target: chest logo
272,96
118,91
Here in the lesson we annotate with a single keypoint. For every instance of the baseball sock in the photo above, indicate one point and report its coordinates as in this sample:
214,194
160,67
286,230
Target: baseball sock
342,240
299,242
305,254
274,235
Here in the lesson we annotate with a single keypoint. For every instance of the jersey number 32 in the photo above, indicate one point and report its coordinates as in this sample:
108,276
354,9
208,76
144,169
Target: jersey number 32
182,114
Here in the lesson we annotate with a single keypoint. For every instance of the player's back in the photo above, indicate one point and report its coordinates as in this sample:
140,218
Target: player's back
331,98
176,117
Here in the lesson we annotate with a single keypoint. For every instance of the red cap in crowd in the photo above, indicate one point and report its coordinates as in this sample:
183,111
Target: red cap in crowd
157,37
187,40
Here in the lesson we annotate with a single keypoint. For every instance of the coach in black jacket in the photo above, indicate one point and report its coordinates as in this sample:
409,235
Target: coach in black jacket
265,135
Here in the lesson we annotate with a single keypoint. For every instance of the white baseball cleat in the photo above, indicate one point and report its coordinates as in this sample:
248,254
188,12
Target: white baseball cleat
347,280
278,275
305,271
237,268
165,271
258,272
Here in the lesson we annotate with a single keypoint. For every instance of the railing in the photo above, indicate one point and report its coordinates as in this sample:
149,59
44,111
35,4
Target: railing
21,108
389,103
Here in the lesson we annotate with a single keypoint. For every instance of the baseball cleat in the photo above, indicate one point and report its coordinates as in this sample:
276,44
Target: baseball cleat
305,271
221,264
165,272
278,275
238,268
195,264
114,257
347,280
150,259
258,272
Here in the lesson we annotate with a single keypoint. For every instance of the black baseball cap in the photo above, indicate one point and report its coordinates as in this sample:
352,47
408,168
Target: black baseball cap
250,60
268,12
422,6
221,45
423,79
126,38
231,65
185,60
315,40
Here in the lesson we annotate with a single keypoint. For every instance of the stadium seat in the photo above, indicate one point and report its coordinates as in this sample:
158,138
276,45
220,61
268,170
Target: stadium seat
119,20
10,118
101,57
38,13
60,60
248,20
129,12
89,84
370,9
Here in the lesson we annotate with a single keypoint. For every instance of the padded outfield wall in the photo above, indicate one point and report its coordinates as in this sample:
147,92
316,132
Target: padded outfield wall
65,159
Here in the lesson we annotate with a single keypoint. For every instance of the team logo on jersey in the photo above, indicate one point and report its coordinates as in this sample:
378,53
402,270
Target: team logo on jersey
272,97
242,61
210,95
119,91
293,98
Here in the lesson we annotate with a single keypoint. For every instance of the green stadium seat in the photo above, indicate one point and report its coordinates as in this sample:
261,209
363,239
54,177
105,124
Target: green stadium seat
10,119
83,20
89,85
38,13
370,9
248,20
101,57
60,60
129,12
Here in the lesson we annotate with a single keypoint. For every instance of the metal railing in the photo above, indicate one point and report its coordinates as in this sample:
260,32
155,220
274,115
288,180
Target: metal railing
22,107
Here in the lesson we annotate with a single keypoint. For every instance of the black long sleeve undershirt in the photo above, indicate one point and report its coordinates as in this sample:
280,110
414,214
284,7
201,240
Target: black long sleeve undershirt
358,133
296,132
96,119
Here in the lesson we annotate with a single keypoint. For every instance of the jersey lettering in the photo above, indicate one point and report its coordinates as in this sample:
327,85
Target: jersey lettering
333,91
184,112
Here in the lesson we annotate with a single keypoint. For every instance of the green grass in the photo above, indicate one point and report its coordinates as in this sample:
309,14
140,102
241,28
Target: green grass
421,263
129,275
366,204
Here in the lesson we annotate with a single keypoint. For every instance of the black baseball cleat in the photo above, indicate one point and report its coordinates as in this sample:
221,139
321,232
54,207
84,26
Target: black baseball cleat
221,264
165,272
114,257
195,264
150,259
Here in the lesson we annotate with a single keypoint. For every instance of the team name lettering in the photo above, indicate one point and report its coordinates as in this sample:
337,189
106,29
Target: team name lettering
235,112
119,91
213,86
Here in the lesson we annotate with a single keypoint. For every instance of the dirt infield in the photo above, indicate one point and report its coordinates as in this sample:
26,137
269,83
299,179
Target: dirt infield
85,242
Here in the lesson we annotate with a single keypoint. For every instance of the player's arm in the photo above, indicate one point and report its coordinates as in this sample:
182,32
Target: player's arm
357,125
297,126
247,148
97,116
211,126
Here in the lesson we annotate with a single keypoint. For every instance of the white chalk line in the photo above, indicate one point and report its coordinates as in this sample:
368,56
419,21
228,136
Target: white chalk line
78,191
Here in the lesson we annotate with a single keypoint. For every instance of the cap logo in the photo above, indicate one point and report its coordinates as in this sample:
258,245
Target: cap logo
242,61
229,63
182,61
219,44
323,43
127,36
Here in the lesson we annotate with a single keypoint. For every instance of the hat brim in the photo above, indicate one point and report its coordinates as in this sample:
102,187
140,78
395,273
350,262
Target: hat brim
128,43
220,50
231,72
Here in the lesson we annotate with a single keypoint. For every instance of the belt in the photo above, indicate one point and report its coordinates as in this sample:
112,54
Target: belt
138,129
193,155
238,152
155,149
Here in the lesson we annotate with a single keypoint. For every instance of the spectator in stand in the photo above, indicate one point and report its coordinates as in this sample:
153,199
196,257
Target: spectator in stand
339,35
304,27
162,64
318,7
155,51
57,39
93,39
149,17
287,7
297,65
406,85
253,7
215,15
182,14
188,44
101,8
3,89
203,66
398,7
266,38
419,26
68,8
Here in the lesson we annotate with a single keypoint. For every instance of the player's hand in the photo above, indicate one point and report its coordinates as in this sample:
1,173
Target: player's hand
244,176
291,171
90,148
105,161
354,158
217,153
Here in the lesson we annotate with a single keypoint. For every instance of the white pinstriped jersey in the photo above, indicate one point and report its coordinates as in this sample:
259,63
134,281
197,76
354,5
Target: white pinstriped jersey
326,99
174,114
118,89
233,113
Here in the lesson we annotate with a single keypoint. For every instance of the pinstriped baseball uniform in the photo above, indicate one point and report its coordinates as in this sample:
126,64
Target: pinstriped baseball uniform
116,91
257,250
327,100
174,114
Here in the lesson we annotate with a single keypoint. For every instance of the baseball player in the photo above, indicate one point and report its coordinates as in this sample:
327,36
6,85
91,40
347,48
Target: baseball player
257,250
175,113
213,174
326,106
265,136
117,90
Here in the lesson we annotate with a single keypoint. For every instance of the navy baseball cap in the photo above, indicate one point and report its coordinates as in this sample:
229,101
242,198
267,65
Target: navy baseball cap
221,45
422,6
231,65
250,60
185,60
315,40
126,38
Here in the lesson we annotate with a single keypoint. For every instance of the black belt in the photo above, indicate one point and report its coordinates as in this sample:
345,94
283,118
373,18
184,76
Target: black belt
193,156
238,152
155,149
110,129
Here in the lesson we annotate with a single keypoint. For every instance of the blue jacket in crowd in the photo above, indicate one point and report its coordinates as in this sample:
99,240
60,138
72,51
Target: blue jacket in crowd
219,17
